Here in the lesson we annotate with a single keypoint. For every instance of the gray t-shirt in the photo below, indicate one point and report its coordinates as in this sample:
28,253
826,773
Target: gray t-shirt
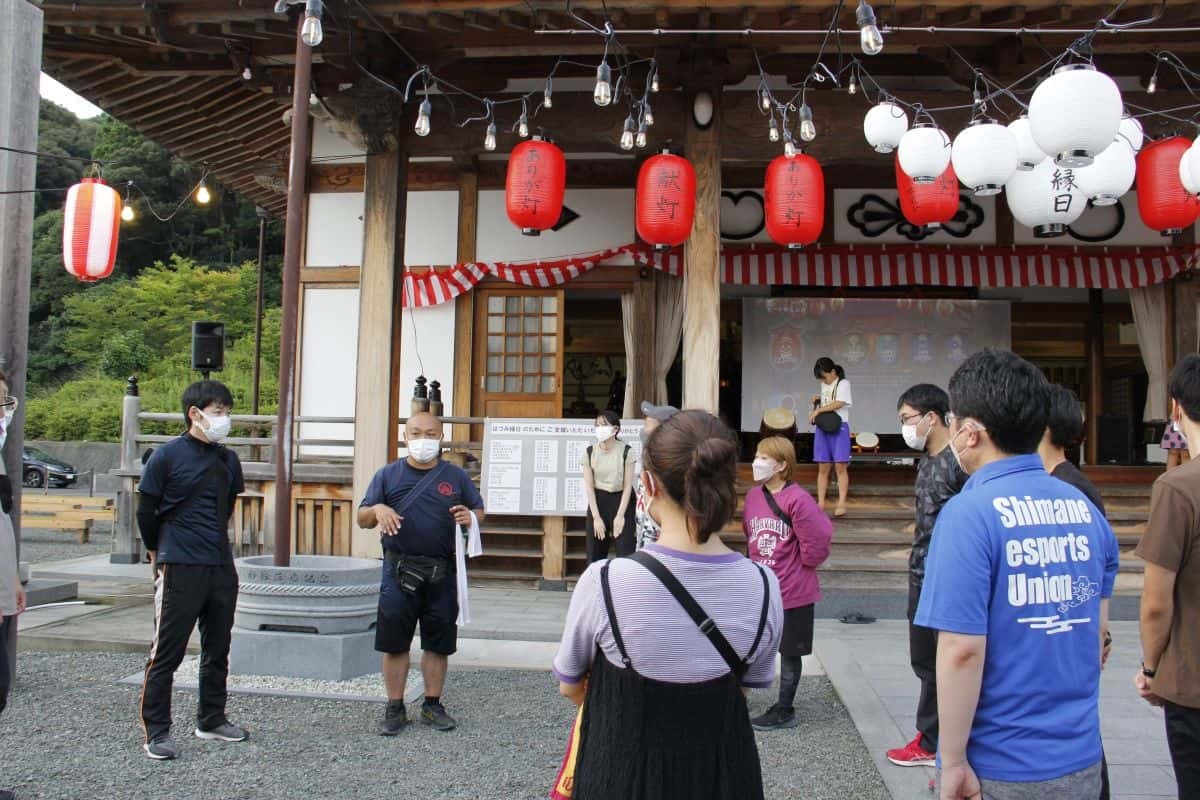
663,642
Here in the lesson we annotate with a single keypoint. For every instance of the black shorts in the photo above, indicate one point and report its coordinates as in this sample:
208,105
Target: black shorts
797,631
434,606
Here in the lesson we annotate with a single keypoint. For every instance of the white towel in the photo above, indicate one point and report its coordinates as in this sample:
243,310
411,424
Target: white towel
469,544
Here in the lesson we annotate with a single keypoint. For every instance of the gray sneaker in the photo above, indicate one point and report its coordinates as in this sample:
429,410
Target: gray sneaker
394,719
434,715
225,732
161,749
775,719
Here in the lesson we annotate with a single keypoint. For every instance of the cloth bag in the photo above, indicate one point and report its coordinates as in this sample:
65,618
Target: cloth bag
564,782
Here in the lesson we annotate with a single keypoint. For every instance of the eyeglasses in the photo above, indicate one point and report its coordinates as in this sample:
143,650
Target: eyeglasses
908,418
951,417
9,403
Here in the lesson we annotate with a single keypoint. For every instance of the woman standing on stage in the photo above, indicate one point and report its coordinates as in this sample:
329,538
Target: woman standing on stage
831,441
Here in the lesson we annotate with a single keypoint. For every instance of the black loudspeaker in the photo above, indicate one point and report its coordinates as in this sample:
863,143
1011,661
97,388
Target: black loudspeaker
208,346
1115,440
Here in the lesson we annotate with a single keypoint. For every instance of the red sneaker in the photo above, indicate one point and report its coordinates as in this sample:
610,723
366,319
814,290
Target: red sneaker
912,755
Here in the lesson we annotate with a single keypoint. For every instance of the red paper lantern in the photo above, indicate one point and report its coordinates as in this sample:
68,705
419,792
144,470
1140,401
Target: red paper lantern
666,200
794,200
1164,204
928,203
91,222
535,185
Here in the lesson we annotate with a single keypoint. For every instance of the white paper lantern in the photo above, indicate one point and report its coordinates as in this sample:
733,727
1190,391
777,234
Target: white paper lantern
924,152
1130,131
1189,168
884,125
984,157
1109,176
1029,155
1074,114
1046,198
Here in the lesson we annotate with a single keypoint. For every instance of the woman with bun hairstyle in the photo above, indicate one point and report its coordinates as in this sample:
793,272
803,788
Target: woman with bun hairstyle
831,449
664,715
788,533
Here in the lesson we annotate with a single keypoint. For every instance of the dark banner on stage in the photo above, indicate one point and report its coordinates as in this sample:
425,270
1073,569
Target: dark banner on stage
885,346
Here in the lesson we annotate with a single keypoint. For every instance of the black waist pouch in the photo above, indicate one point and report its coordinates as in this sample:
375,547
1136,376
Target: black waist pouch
413,572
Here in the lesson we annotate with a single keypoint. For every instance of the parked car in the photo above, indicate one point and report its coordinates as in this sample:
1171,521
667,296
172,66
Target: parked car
39,467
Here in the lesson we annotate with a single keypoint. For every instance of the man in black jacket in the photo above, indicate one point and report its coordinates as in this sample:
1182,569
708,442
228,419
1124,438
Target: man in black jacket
187,492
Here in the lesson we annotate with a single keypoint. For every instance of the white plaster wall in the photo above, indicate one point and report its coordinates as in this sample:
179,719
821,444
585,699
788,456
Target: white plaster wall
335,230
845,233
605,220
427,341
328,147
329,343
431,228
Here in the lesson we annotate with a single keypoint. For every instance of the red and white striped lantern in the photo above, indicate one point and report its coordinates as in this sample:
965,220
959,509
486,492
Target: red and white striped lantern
535,185
1163,203
794,199
665,205
91,223
928,204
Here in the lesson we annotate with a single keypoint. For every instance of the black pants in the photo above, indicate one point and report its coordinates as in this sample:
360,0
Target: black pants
5,667
184,595
607,504
922,654
1183,738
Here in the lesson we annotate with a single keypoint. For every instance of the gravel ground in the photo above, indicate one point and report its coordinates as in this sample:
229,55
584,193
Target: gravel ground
39,547
71,732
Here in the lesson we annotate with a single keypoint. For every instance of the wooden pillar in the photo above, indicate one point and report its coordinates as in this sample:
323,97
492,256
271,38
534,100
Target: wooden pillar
380,283
554,553
1095,370
641,378
464,304
702,264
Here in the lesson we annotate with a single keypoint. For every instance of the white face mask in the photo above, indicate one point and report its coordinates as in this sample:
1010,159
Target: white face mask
218,427
763,469
647,488
957,455
912,438
424,450
604,432
8,415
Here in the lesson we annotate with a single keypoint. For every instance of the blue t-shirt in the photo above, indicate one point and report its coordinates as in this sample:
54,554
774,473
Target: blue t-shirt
1024,559
197,533
428,528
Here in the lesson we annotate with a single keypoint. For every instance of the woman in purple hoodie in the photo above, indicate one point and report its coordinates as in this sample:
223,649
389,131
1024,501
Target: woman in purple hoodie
786,531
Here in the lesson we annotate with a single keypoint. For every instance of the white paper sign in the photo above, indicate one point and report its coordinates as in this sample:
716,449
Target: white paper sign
545,456
545,494
505,450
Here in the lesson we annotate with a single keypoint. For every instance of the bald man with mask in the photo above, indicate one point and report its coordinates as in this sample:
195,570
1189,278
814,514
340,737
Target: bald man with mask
419,504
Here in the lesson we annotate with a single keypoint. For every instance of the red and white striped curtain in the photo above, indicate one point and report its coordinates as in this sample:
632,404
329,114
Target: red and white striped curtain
843,266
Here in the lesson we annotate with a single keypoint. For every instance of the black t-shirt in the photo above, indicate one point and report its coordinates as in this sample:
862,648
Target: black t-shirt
939,478
428,528
198,534
1069,473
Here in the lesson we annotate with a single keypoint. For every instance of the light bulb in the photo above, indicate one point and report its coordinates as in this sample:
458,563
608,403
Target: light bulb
311,32
489,139
247,74
127,213
627,137
869,36
764,98
603,92
648,115
640,139
422,126
789,148
654,82
523,126
548,95
773,131
1152,86
808,131
853,87
203,195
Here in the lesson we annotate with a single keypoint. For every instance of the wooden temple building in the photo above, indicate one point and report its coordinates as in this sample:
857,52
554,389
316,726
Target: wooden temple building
411,267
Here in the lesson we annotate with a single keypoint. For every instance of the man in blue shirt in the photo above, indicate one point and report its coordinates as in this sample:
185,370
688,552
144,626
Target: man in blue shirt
419,504
1017,583
188,489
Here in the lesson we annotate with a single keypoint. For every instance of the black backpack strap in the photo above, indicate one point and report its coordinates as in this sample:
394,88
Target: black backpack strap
612,616
698,614
775,509
420,487
766,609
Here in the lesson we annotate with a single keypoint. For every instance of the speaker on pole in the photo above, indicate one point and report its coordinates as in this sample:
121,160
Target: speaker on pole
208,347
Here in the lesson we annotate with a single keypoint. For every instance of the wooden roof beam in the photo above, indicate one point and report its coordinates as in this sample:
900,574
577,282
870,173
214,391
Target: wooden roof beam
1000,17
967,16
445,22
479,21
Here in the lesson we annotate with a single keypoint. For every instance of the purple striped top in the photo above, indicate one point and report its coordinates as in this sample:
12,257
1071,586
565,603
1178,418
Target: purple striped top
665,644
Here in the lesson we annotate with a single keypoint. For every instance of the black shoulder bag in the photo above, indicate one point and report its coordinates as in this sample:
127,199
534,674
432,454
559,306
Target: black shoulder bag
737,666
830,421
775,509
413,571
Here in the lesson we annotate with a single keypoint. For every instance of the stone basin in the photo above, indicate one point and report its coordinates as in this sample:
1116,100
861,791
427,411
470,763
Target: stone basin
316,594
